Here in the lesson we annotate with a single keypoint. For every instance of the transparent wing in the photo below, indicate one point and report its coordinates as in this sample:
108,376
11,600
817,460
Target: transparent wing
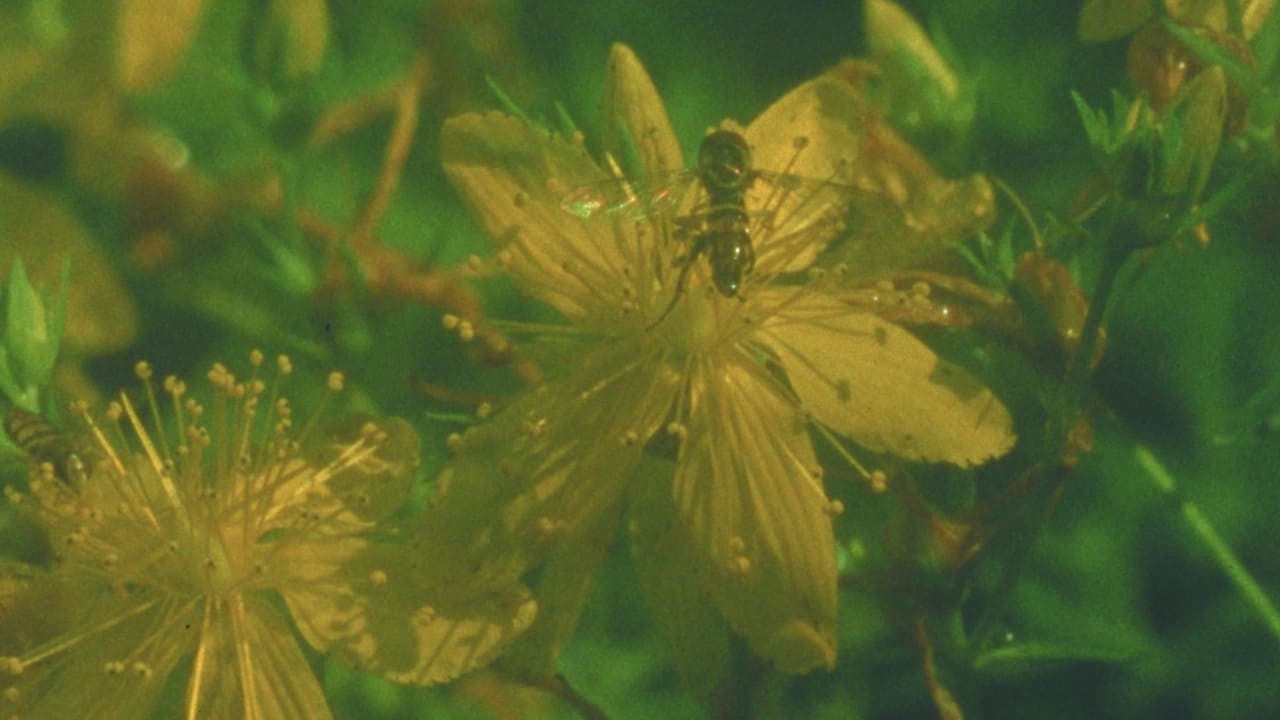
794,218
656,195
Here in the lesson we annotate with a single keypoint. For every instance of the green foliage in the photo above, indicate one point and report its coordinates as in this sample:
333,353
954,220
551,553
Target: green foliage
245,202
32,334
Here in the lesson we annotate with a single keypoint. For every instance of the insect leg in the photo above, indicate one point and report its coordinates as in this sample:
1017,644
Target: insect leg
699,246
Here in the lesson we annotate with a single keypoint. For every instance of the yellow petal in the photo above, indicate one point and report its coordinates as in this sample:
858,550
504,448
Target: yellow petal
249,666
895,37
682,609
920,213
812,132
371,462
385,609
1253,15
545,468
564,584
307,25
636,126
153,37
96,627
514,177
748,488
876,383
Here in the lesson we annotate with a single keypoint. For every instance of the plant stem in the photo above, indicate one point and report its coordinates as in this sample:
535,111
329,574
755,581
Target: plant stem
1082,359
1222,553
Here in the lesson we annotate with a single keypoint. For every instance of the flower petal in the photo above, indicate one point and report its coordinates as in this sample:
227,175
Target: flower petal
813,132
674,589
927,213
514,177
827,130
251,667
564,584
369,461
636,124
876,383
100,655
541,472
384,609
747,487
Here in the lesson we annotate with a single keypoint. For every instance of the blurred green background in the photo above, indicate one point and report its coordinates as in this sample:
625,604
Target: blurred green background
184,193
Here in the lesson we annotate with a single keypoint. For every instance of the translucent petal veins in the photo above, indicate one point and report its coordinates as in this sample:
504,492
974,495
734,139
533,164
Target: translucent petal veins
874,382
742,489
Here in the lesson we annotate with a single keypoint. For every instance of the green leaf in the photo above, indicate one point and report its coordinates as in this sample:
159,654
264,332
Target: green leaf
508,105
7,382
32,335
1021,658
1095,124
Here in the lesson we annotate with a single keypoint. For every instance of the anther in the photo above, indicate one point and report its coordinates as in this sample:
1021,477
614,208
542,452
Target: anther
545,527
454,443
678,431
535,429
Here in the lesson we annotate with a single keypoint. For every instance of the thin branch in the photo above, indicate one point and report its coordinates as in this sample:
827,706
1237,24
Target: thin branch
947,705
1218,548
408,97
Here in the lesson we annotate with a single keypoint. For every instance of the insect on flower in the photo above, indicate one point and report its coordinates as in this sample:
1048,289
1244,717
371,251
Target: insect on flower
708,205
680,394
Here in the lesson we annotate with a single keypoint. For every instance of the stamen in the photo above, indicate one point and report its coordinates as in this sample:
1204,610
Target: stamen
843,451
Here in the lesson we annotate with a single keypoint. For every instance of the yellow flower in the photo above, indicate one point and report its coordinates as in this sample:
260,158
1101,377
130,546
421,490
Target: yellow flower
170,561
738,526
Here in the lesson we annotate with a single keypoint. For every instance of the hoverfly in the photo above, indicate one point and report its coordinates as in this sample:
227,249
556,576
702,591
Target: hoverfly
719,225
44,442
